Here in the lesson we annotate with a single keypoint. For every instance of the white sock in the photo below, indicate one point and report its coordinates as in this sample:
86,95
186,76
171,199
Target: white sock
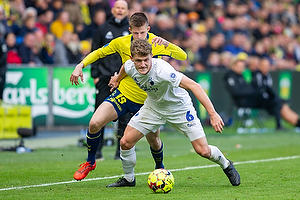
128,158
218,157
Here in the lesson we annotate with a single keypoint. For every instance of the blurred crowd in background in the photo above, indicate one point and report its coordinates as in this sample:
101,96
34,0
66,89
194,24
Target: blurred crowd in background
212,32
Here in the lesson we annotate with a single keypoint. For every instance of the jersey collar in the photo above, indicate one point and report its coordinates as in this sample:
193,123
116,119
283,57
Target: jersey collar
146,37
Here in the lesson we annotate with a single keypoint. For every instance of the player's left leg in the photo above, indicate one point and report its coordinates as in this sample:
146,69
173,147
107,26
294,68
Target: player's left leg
156,147
128,157
214,154
104,114
189,124
122,123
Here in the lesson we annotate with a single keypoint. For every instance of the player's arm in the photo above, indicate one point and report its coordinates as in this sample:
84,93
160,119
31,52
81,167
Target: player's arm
115,80
171,49
215,120
90,58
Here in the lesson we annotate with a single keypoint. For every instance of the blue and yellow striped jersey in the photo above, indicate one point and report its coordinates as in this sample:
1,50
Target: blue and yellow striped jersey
121,45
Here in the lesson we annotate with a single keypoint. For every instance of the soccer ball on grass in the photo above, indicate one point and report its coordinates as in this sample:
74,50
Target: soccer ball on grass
161,181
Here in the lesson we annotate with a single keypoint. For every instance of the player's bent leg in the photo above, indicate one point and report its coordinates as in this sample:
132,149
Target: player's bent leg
201,147
104,114
214,154
156,148
154,140
122,124
128,157
130,138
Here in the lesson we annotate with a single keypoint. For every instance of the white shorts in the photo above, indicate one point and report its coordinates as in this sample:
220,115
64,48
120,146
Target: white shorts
147,120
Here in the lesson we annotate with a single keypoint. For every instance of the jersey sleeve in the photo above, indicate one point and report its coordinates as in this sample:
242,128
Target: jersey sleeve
129,67
102,52
176,52
172,50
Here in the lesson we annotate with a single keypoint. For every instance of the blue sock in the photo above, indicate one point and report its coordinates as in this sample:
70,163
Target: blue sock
158,156
92,145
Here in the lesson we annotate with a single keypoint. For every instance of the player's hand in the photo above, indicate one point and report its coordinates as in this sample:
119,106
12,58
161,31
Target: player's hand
217,122
77,73
113,83
160,41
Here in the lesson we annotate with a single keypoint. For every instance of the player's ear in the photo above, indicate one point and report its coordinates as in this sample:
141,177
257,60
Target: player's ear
148,29
129,30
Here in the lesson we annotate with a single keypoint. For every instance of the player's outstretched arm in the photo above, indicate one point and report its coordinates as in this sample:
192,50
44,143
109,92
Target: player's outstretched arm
77,72
215,119
171,50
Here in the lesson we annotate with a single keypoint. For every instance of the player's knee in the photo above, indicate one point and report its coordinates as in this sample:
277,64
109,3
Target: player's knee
125,144
94,126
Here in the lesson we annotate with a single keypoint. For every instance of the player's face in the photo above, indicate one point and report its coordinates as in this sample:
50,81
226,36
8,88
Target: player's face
142,63
139,32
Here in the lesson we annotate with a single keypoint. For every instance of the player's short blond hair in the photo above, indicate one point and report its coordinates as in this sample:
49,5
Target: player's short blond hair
140,47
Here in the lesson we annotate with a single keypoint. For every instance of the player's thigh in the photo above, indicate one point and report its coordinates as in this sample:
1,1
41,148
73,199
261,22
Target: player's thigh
147,120
187,123
104,114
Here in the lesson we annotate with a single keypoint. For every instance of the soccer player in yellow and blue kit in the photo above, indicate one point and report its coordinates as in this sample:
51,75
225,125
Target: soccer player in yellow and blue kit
128,97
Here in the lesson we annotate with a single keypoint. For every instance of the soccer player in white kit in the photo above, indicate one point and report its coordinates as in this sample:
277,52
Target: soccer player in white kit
167,101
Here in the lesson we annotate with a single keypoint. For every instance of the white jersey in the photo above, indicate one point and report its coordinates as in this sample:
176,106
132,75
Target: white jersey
161,84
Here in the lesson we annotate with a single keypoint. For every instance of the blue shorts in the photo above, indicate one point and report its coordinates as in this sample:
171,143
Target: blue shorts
121,104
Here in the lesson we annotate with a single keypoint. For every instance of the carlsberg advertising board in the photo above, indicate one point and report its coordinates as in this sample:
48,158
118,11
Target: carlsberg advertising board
69,104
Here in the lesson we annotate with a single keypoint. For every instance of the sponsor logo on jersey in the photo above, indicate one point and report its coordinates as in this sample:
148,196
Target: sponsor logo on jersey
190,124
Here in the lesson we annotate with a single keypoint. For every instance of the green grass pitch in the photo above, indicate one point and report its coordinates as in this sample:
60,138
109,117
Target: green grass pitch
269,165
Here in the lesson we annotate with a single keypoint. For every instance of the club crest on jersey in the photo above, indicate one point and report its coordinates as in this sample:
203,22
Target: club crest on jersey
173,75
150,81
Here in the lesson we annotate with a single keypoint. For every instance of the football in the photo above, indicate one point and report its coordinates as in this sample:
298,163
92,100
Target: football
161,181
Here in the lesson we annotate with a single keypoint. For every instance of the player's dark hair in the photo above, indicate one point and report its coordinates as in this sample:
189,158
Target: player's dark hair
138,19
140,47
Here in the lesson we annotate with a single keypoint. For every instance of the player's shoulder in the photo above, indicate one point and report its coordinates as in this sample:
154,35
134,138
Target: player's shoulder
160,61
161,65
128,64
122,39
150,36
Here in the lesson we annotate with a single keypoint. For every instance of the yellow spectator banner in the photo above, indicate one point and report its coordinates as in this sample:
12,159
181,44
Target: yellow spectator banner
13,117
